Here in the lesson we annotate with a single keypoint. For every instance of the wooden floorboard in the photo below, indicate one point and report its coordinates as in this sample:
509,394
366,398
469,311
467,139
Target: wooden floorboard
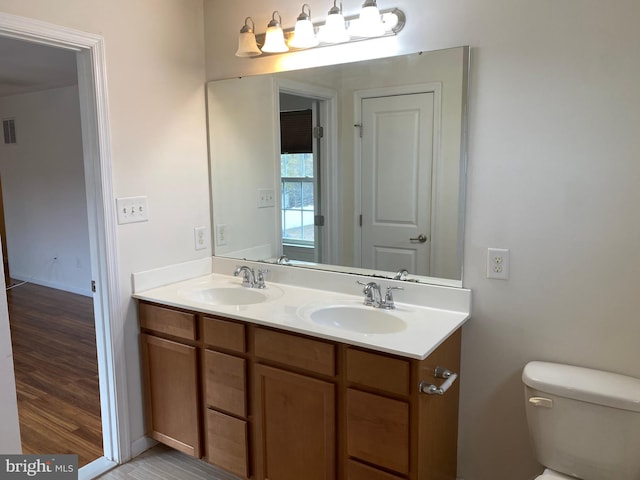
164,463
54,354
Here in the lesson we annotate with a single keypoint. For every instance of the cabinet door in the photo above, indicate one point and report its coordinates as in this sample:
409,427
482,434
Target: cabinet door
295,428
170,372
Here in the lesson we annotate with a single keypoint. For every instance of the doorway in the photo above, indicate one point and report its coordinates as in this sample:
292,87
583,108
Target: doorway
300,179
90,58
313,171
47,242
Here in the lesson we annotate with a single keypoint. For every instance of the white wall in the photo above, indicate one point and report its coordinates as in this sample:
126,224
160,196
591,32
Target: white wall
242,119
44,191
553,175
155,79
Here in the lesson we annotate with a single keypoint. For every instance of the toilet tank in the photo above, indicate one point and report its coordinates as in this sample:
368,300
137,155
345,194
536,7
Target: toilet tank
583,422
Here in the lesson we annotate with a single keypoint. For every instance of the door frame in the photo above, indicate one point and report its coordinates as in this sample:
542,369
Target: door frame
96,138
328,116
430,87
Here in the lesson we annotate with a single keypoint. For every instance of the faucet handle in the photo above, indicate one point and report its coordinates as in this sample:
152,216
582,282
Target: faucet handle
388,298
260,278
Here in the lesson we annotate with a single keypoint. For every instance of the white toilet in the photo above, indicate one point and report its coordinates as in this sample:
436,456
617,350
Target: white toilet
584,423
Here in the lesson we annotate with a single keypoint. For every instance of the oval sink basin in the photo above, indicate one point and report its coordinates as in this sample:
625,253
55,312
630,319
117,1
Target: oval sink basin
358,319
225,295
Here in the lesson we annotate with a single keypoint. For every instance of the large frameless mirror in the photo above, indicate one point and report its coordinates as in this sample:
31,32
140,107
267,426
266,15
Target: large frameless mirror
356,167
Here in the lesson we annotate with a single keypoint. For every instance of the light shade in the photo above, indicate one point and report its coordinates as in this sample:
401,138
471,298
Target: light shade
334,30
304,35
370,22
274,38
247,46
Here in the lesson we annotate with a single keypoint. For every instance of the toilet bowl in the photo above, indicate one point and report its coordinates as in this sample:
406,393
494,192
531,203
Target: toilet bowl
583,423
551,475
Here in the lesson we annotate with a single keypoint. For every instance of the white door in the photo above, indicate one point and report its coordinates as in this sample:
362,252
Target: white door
397,157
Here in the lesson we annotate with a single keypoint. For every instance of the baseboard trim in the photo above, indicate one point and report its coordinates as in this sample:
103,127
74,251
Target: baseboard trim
141,445
57,286
96,468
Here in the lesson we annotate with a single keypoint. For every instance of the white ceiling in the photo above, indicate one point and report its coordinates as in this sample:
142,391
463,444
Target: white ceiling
28,67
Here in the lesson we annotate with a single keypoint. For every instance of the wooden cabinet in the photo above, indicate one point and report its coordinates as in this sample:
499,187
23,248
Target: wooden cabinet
274,405
295,426
171,385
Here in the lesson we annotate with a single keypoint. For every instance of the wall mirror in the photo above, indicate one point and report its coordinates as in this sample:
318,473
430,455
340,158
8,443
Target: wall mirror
356,168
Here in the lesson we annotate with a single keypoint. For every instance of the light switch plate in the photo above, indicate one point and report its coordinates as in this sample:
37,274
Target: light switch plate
266,197
132,209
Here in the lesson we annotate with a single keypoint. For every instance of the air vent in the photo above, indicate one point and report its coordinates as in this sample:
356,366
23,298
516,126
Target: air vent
9,128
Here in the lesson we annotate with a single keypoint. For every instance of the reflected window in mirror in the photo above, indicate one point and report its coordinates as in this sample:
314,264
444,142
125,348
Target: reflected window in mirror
298,179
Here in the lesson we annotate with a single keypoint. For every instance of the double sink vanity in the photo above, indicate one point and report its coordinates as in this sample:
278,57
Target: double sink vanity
333,371
292,382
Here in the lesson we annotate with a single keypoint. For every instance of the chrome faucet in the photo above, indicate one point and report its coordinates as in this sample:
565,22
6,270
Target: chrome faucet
373,295
401,274
249,278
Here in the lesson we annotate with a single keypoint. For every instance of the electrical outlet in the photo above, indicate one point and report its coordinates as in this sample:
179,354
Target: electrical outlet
132,209
200,237
221,235
266,197
498,263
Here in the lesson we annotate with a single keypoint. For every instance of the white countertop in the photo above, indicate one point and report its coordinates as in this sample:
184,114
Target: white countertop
288,307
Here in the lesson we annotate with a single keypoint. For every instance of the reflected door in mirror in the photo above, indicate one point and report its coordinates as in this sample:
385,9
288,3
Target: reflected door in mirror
397,158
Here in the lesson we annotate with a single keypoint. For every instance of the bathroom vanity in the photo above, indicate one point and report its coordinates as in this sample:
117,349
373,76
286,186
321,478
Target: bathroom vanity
266,392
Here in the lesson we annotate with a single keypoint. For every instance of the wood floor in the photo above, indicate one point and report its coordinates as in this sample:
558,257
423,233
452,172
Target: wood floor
164,463
54,354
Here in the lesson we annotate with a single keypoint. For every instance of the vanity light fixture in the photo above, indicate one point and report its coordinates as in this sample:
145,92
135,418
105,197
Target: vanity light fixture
247,46
337,29
304,35
334,29
274,39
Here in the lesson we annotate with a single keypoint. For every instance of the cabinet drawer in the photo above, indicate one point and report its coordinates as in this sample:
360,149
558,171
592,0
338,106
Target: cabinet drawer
379,371
227,443
225,382
301,352
358,471
378,430
223,334
167,321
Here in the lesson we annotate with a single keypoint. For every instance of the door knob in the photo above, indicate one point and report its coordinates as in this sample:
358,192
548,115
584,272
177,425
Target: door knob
420,238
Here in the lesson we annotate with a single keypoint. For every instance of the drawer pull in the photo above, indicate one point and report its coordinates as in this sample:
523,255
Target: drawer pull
431,389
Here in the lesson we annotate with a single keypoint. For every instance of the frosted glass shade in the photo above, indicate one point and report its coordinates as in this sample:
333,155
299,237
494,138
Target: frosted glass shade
247,46
334,30
370,24
303,35
274,40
